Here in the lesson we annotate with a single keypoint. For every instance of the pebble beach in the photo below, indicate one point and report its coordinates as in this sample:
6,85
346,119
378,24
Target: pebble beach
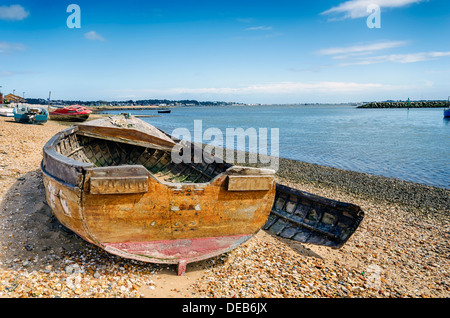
401,249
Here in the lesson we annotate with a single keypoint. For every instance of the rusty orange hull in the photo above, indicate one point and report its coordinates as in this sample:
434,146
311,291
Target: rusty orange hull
131,211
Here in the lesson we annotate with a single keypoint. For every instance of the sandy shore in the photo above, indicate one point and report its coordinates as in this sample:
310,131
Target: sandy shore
401,249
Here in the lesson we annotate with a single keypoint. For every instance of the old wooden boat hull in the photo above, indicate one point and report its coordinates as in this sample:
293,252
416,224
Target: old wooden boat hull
308,218
118,188
133,202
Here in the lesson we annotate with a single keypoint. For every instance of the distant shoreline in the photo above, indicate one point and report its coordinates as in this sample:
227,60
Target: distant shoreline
97,109
411,104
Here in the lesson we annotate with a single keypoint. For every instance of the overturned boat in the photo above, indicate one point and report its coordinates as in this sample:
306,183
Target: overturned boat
113,182
74,113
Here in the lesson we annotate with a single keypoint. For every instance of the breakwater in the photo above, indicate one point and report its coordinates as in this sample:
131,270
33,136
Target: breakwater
406,104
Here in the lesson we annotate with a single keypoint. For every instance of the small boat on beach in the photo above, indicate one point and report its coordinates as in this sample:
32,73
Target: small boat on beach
74,113
30,115
164,111
6,112
113,182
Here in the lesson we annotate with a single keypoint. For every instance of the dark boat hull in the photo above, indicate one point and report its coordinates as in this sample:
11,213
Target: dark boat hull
308,218
73,118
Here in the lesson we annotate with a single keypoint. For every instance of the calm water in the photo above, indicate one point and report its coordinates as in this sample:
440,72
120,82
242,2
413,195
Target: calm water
410,145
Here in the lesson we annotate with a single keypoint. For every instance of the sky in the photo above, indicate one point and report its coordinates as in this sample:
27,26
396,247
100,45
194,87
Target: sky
322,51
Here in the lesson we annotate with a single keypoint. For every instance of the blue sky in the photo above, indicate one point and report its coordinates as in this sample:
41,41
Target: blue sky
243,51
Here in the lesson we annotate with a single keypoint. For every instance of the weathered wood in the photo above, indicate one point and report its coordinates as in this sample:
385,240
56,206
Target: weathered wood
127,130
182,211
66,204
249,183
65,169
307,218
119,185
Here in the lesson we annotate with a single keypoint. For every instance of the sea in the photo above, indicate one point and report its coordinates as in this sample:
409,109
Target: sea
411,145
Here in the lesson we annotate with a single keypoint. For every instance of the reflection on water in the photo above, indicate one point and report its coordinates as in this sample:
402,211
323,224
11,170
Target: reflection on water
412,144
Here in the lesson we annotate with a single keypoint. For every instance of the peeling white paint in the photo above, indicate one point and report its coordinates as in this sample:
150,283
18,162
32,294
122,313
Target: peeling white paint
64,204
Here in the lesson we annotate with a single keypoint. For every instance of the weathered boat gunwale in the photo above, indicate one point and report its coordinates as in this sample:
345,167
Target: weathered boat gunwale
62,167
72,171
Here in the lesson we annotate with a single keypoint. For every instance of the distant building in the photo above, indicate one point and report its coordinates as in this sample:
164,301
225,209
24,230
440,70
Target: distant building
14,99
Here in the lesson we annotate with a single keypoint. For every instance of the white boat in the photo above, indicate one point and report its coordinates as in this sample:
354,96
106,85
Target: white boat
6,112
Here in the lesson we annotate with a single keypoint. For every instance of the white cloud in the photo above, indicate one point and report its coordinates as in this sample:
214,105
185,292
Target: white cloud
259,28
94,36
245,20
13,12
358,8
13,73
363,54
363,48
8,47
271,88
397,58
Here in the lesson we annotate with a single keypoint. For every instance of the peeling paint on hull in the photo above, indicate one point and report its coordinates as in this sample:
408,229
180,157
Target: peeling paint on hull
177,251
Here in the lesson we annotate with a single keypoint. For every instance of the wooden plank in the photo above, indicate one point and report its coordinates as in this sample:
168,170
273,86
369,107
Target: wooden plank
127,130
119,185
250,183
106,134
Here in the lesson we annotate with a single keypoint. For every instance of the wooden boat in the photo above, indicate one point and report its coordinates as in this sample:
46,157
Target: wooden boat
71,113
164,111
113,182
308,218
30,115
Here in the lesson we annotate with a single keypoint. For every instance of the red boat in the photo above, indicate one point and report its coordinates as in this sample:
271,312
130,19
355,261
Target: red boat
71,113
